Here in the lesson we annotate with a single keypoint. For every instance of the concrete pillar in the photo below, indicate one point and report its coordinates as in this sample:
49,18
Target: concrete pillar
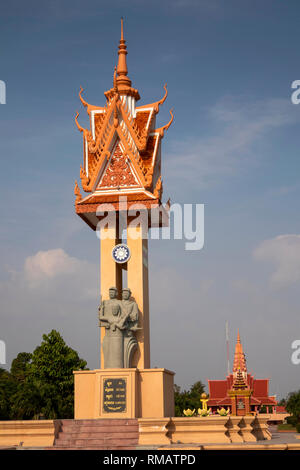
137,280
110,271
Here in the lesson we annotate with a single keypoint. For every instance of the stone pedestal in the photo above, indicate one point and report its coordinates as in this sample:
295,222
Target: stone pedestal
29,433
260,427
198,430
234,429
124,393
153,431
246,428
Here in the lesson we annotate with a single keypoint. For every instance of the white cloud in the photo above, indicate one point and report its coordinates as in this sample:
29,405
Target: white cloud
284,253
48,264
238,126
52,265
53,290
53,272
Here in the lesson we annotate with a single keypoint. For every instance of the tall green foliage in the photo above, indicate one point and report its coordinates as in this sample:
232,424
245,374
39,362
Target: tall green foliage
293,407
188,398
8,387
41,383
19,365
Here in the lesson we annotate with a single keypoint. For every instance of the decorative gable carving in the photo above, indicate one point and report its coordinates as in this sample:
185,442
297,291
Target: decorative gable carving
118,172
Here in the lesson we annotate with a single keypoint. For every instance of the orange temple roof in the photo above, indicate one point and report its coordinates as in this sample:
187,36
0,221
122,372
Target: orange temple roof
122,148
239,379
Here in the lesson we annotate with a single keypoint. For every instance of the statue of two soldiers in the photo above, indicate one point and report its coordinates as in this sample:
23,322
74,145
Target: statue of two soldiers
120,319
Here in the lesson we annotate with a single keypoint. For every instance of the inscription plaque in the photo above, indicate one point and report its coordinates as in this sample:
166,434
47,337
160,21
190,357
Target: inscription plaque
114,395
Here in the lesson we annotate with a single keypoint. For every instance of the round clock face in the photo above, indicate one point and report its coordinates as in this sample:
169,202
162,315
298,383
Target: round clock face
121,253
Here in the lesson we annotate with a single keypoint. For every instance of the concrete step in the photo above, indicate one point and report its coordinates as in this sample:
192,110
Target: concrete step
106,434
92,448
98,434
97,422
91,440
103,442
93,429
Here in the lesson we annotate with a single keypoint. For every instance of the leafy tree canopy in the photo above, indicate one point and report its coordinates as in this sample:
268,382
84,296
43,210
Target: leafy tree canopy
41,383
188,398
293,406
18,366
7,389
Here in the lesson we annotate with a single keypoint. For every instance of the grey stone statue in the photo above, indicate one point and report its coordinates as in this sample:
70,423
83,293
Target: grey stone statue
120,319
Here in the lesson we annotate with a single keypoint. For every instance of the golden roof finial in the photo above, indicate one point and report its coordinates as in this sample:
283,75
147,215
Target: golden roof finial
122,70
122,32
123,83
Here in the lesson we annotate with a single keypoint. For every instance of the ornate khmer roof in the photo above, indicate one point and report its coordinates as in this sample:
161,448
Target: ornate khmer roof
239,380
122,147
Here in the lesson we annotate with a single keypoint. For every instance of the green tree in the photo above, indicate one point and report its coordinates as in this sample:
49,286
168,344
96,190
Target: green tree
8,387
26,402
19,365
293,407
178,400
282,402
263,409
46,381
188,399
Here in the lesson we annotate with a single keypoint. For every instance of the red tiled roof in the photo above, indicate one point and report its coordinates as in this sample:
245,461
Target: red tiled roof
224,401
142,119
218,392
147,155
281,409
261,387
267,400
217,388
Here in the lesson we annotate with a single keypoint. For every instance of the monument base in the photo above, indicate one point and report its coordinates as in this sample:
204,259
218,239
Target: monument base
123,393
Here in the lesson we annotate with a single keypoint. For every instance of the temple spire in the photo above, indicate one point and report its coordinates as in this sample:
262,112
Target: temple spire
122,83
239,362
122,70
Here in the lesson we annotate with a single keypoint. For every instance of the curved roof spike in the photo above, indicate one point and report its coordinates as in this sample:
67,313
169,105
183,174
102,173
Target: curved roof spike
164,97
80,128
157,104
162,130
89,107
85,104
77,193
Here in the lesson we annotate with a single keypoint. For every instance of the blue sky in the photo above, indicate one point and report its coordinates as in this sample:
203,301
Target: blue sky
234,146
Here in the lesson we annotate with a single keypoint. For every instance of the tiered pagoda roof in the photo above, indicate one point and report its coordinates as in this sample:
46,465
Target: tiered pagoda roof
239,379
239,382
122,148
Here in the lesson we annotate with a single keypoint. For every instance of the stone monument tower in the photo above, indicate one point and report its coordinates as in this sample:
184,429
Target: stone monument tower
121,174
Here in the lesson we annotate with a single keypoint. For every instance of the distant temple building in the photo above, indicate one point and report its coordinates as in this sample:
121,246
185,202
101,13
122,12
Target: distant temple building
241,392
